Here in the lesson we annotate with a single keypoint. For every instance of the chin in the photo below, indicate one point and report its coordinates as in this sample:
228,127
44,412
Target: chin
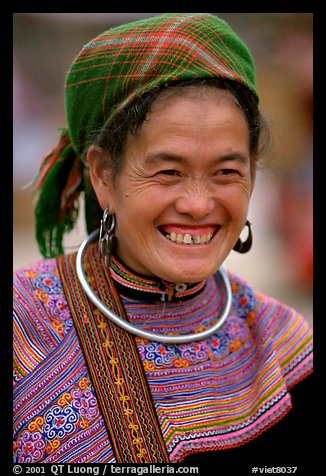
190,263
189,274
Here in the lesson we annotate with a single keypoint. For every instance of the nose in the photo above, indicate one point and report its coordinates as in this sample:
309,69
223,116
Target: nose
196,200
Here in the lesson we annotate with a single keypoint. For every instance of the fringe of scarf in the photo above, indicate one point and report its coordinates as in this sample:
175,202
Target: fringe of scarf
58,186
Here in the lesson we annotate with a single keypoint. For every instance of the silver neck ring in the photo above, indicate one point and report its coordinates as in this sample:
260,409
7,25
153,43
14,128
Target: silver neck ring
153,336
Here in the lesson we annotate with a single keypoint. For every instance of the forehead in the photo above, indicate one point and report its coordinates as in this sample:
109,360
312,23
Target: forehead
196,126
194,111
194,104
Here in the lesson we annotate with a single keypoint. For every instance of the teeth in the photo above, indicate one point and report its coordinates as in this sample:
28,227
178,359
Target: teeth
188,238
173,236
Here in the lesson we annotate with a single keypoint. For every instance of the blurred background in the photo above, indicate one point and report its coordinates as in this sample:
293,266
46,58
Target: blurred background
280,262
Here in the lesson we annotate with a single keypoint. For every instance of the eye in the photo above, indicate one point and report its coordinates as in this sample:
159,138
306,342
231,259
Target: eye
227,172
170,172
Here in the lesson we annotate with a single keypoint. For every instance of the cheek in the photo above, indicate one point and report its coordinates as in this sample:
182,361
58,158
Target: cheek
235,200
136,213
139,198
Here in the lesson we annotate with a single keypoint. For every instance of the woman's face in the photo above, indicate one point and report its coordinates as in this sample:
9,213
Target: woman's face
181,199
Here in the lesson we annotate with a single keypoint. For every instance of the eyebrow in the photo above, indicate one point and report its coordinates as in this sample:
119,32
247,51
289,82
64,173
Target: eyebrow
170,157
164,157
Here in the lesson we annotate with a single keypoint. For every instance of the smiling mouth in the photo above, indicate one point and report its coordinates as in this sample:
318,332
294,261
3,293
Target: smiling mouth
195,236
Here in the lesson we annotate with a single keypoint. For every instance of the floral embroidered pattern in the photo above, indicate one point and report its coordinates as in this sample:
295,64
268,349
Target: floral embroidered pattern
59,421
244,300
72,412
30,447
231,338
66,424
47,285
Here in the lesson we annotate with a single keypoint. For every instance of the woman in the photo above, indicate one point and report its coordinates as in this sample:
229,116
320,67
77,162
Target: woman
141,348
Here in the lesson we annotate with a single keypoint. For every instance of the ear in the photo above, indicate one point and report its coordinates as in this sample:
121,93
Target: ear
99,173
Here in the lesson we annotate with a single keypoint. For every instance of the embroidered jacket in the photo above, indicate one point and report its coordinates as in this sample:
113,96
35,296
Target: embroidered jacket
215,394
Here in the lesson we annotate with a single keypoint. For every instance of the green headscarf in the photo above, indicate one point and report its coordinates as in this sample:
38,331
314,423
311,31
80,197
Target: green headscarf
111,71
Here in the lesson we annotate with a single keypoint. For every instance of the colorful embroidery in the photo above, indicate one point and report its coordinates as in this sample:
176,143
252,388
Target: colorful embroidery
232,338
208,395
47,287
234,383
149,288
73,410
114,365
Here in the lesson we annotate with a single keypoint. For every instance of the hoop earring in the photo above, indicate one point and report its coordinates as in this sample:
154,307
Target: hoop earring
244,246
106,238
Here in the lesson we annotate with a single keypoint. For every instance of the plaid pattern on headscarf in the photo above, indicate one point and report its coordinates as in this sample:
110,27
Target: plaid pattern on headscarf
116,67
